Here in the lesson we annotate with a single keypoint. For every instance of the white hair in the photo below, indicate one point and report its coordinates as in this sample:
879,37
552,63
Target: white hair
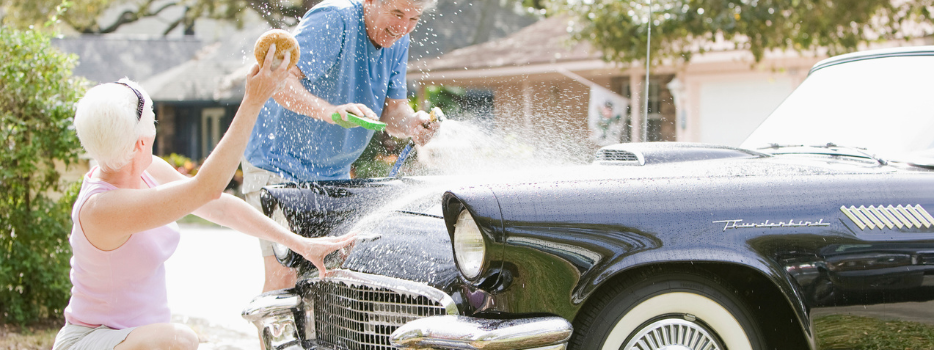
107,125
425,5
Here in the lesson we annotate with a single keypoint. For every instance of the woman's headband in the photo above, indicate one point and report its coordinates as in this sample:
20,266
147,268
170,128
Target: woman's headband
139,106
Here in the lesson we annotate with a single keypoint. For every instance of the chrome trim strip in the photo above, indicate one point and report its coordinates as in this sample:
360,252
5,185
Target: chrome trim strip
925,213
394,284
272,314
901,218
463,332
888,214
852,217
863,218
270,303
871,216
917,213
908,215
552,347
878,213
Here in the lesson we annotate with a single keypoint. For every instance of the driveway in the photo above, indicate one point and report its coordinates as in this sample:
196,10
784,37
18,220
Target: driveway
213,275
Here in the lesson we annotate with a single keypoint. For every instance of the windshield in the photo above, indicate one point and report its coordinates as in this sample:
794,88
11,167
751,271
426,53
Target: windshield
884,105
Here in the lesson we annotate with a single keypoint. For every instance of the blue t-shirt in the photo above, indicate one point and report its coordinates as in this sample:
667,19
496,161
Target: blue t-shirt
341,65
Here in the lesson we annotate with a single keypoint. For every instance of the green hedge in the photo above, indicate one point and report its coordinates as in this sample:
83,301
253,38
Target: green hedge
37,100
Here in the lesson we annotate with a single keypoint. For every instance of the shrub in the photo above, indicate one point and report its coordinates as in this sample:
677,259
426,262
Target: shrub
37,100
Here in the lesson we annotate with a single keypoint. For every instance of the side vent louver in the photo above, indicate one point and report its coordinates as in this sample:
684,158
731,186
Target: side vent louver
873,217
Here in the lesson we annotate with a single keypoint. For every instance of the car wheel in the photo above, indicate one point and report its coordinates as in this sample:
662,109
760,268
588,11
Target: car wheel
667,309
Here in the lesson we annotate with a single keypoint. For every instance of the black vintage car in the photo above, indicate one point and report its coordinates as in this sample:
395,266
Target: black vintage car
819,223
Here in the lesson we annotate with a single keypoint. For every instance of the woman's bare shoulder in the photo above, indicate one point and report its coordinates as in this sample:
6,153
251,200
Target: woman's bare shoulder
163,172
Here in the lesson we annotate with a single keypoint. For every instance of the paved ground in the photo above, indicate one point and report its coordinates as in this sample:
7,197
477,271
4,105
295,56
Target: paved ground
214,273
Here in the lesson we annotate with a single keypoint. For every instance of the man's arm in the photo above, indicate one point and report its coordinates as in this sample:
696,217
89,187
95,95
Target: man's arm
402,121
294,97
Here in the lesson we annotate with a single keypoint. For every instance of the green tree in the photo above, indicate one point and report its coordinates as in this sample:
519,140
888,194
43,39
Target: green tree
85,15
37,99
681,28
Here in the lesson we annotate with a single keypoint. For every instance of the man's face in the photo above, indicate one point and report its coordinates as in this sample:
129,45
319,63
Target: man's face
388,20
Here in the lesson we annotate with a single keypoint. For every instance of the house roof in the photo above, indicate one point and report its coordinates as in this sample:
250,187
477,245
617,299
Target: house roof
206,76
104,58
455,24
546,41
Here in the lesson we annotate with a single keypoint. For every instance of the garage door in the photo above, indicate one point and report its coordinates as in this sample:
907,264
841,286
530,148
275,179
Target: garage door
730,110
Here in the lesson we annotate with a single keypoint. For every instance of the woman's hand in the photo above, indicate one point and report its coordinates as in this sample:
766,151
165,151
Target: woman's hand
315,249
262,83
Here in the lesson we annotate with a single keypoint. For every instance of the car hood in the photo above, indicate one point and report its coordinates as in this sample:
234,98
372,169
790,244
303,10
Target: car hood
405,236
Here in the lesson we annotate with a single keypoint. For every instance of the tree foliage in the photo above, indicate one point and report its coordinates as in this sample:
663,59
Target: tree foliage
681,28
37,99
85,16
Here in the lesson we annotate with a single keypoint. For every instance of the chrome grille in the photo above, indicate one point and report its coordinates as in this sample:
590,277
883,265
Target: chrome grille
611,155
361,316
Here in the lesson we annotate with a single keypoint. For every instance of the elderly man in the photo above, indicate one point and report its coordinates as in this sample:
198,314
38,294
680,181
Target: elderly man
354,57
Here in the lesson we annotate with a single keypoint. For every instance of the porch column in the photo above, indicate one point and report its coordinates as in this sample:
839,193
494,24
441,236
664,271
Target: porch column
527,103
420,96
165,114
678,89
636,79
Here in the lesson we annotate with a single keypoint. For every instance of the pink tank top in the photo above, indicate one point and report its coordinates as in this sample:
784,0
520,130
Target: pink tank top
124,287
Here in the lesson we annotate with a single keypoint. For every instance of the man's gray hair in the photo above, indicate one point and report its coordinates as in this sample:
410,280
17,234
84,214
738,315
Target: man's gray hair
425,5
107,125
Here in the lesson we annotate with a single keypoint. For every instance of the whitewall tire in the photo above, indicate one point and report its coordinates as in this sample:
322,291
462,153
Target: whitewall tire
681,309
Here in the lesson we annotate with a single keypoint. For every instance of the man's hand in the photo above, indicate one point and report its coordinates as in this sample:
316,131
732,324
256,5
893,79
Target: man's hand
401,121
422,129
315,249
358,109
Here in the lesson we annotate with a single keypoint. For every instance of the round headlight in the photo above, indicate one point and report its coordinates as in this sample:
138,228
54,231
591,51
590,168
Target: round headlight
283,254
469,247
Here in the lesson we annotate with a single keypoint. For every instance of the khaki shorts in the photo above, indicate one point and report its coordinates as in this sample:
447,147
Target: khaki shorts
75,337
253,181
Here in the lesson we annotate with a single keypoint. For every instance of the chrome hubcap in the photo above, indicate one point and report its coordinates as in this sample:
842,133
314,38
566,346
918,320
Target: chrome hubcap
673,334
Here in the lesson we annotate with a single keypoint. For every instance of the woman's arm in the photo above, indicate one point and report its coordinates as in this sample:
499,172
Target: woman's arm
234,213
109,218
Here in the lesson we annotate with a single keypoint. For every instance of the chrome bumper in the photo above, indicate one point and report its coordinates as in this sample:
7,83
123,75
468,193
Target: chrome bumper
462,332
273,314
286,320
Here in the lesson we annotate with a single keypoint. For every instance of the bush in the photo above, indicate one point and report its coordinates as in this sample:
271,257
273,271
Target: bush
37,100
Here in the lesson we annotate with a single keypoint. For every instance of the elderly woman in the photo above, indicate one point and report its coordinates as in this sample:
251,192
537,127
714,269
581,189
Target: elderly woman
124,218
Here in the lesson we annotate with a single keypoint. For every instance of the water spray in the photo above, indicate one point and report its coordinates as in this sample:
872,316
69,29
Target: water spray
436,116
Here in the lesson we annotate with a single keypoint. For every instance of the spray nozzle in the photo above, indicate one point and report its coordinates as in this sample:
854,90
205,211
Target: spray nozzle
437,115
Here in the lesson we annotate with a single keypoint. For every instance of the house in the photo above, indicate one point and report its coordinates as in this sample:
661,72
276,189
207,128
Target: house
541,81
192,114
196,100
103,59
107,58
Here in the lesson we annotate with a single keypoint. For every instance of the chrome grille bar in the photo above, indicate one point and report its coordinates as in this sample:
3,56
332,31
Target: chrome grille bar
356,311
